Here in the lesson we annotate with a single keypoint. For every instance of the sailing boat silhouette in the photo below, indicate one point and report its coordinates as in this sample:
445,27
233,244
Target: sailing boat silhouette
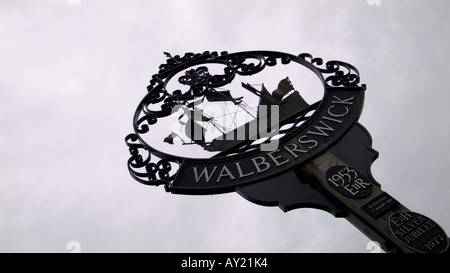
273,110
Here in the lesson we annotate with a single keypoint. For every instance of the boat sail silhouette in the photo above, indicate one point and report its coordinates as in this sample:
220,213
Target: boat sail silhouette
273,110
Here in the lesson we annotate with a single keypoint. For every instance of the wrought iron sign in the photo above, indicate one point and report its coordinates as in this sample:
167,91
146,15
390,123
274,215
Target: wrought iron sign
247,122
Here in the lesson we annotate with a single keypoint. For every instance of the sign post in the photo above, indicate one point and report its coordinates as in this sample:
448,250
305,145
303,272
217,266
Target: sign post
284,150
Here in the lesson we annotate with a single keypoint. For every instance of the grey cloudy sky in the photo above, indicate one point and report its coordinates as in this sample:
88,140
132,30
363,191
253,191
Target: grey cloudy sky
73,71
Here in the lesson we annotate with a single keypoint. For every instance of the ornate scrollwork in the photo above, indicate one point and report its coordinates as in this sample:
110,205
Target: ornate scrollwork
152,172
248,64
345,75
200,80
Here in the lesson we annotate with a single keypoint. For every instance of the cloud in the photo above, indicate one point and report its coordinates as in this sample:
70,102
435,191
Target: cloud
72,76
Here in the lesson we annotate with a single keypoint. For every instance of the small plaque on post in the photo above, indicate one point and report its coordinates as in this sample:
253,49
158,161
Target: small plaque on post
380,205
348,181
418,232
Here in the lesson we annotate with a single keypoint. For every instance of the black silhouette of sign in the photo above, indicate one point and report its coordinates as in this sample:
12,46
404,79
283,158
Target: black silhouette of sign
281,151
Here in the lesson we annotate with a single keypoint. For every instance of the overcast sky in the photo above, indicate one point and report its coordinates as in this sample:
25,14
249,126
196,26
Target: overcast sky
73,71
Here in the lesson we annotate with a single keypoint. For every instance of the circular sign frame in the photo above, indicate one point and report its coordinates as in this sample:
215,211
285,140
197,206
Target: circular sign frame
340,107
